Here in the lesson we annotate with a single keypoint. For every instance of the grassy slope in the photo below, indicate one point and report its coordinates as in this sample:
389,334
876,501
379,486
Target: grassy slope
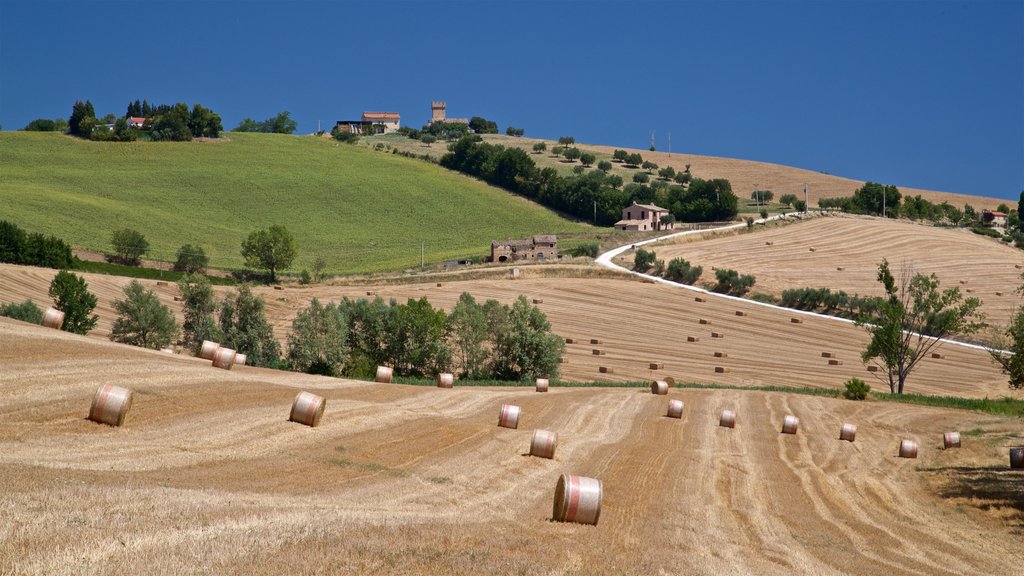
362,210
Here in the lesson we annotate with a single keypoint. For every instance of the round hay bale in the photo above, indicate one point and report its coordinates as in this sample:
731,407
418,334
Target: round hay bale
1017,457
541,384
110,405
728,419
908,449
937,356
383,374
671,381
509,416
208,350
278,287
577,499
598,352
951,440
659,387
224,358
445,380
371,293
655,366
675,409
542,445
848,433
438,284
53,318
570,341
240,359
307,409
840,268
769,243
790,424
812,249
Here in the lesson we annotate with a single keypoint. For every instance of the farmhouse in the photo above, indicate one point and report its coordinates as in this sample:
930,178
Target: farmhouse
643,217
136,121
997,218
540,247
438,113
371,123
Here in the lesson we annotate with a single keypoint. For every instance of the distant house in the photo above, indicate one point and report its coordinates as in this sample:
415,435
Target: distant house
643,217
996,218
371,123
439,113
540,247
136,121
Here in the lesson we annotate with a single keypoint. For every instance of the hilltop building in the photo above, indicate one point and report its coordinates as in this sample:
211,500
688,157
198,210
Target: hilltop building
540,247
439,113
643,217
372,123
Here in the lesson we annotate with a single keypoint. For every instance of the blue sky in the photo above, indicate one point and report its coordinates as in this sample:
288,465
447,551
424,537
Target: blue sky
921,94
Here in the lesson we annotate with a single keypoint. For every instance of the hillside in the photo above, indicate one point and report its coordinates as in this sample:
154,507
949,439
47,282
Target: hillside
360,210
208,477
742,174
982,267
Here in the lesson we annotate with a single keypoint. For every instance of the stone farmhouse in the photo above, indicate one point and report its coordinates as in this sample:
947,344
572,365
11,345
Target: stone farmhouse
540,247
643,217
372,123
439,113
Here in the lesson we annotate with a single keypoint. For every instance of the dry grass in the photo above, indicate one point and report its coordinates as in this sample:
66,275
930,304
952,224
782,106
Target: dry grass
208,477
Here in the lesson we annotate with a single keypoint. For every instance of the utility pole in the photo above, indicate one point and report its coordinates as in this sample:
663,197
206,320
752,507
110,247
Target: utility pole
805,198
883,201
595,212
421,254
757,192
669,144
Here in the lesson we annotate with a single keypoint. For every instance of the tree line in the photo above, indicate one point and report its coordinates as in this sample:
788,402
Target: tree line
164,122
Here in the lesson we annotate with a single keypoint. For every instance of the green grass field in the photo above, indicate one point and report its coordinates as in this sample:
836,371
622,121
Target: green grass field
363,211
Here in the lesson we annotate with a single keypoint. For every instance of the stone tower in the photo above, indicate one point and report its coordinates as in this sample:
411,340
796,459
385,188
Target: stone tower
437,111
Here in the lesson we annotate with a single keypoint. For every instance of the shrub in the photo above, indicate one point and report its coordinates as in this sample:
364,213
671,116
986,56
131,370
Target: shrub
191,259
643,260
579,170
71,296
750,222
27,311
763,213
731,282
142,320
345,136
679,270
986,232
856,389
800,206
129,245
585,249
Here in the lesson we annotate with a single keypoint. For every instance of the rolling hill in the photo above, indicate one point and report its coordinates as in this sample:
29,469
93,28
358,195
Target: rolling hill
361,210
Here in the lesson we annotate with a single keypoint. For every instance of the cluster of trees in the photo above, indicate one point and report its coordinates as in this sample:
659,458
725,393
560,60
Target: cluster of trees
517,132
47,125
32,249
84,124
282,123
480,125
238,321
164,122
825,301
678,269
514,169
476,341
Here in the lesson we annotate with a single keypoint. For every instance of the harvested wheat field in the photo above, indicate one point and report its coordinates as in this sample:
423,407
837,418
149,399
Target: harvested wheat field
207,476
981,267
762,347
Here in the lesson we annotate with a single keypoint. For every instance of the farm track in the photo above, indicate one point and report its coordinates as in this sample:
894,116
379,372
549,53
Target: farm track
208,477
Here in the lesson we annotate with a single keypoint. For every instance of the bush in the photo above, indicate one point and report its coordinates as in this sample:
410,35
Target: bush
345,136
763,213
142,320
318,343
27,311
730,282
129,246
71,296
641,178
643,260
986,232
856,389
539,147
679,270
585,249
191,259
17,247
800,206
788,199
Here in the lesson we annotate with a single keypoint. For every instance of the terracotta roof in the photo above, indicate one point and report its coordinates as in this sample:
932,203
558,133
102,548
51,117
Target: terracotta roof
545,238
998,214
632,222
513,243
381,116
137,119
651,207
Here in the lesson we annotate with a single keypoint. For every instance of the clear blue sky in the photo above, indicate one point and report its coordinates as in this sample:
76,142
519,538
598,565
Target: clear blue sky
921,94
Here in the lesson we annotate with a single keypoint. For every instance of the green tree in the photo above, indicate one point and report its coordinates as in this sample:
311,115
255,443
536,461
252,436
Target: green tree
763,196
680,270
142,320
272,250
649,166
204,123
41,125
525,348
788,199
643,260
539,147
604,166
615,181
868,199
1008,351
428,139
567,141
620,155
572,154
27,311
197,306
634,160
467,327
1020,207
192,259
587,159
482,125
912,319
129,245
517,132
282,123
318,343
731,282
244,325
667,173
123,132
248,125
80,112
421,339
71,295
641,178
12,243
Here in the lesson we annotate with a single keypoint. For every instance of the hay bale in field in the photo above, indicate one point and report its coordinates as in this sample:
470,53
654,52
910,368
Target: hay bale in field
514,273
848,433
224,358
307,409
438,284
790,424
110,405
1017,457
509,416
538,301
998,293
937,355
384,374
721,355
371,293
177,298
53,318
595,341
699,299
541,384
703,321
872,368
675,409
769,243
727,419
659,387
445,380
840,268
577,499
655,366
908,449
970,290
717,335
827,355
963,281
240,359
834,362
160,283
570,341
598,352
278,287
812,249
692,339
542,445
671,381
951,440
208,350
741,313
796,321
605,370
721,370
